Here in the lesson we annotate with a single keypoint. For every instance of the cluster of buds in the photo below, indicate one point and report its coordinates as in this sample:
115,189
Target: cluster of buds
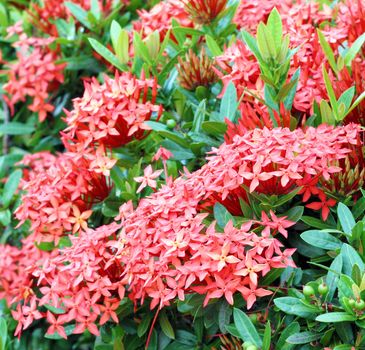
196,70
204,11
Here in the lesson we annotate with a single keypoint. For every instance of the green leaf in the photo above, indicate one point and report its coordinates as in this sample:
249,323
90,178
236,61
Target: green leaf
333,276
224,315
354,49
214,128
179,153
251,42
166,325
11,186
222,215
291,329
326,113
316,223
107,54
294,214
79,13
245,328
199,116
321,239
274,24
3,333
327,51
267,337
356,103
333,317
15,128
346,98
304,337
294,306
144,325
350,257
265,42
229,103
213,46
116,36
330,91
346,219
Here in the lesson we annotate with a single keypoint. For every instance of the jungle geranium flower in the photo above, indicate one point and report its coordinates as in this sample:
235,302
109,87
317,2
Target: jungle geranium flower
324,205
148,179
35,74
141,261
160,18
111,114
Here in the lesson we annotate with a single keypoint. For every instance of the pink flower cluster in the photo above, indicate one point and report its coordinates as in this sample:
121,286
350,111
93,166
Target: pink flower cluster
163,250
160,18
111,114
35,74
60,191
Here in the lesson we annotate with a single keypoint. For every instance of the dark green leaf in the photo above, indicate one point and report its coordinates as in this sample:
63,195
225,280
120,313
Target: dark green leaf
245,328
166,325
303,338
15,128
11,186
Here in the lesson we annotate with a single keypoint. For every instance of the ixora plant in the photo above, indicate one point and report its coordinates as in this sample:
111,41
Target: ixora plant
182,174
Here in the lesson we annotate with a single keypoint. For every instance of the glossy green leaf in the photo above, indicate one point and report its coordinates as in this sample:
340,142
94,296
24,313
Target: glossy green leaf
229,103
354,49
332,317
294,306
303,337
16,128
11,186
213,46
345,217
166,325
79,13
350,257
245,328
327,50
106,53
222,215
321,239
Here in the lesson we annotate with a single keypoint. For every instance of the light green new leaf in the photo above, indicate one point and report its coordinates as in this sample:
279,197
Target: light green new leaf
275,26
213,46
106,53
327,51
354,49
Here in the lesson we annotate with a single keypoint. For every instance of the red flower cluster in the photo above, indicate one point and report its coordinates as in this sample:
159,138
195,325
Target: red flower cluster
160,18
60,192
35,74
163,250
111,114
